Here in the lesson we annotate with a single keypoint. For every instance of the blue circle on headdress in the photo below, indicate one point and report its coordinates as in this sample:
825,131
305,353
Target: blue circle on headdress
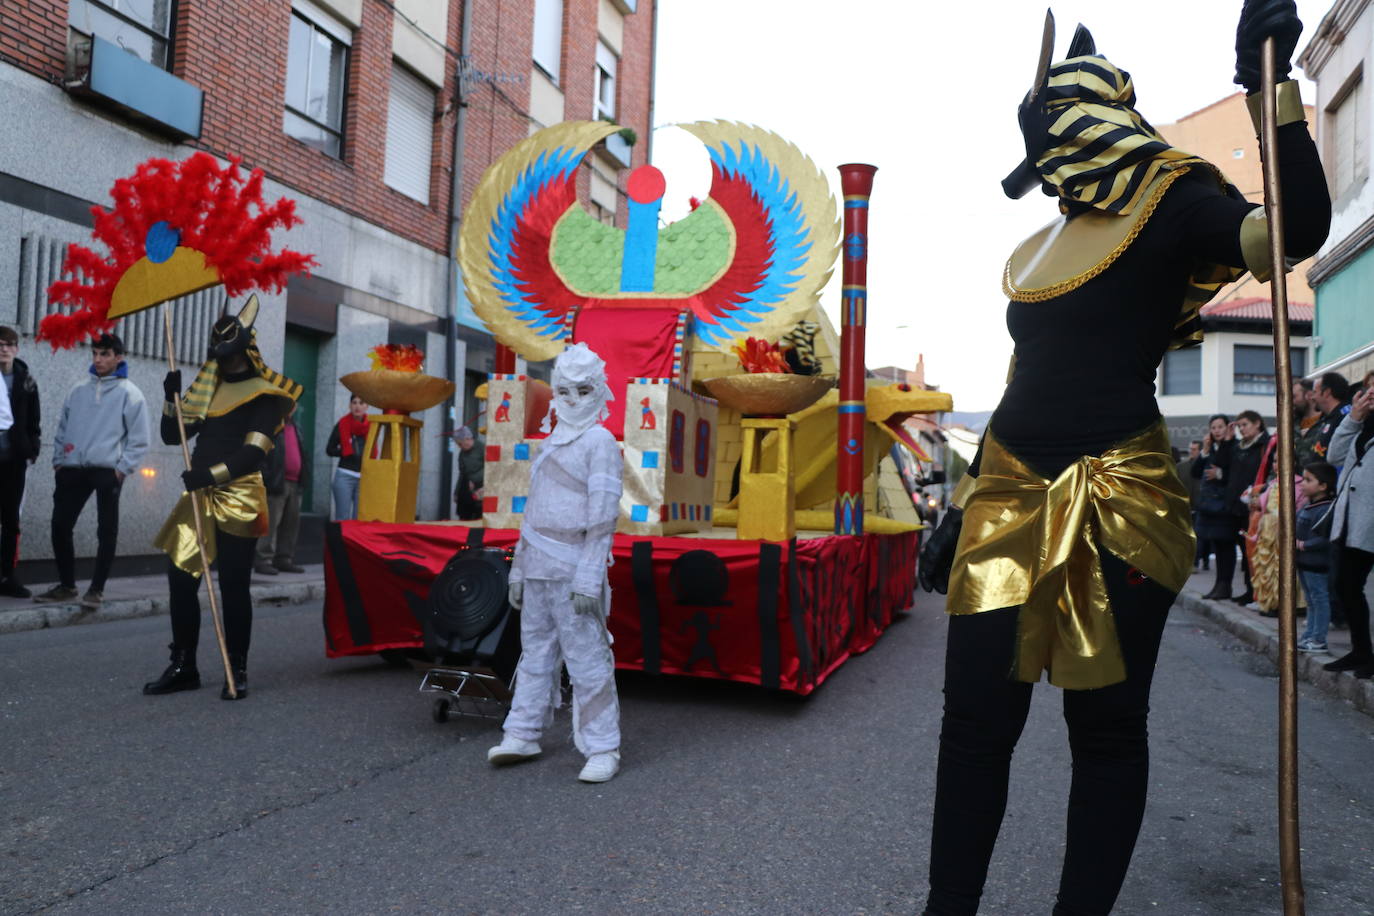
161,241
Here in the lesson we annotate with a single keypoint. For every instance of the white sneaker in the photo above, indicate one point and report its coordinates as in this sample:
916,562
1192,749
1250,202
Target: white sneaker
600,767
512,750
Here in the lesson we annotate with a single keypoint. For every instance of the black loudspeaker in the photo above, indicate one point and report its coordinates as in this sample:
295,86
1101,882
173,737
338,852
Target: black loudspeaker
467,619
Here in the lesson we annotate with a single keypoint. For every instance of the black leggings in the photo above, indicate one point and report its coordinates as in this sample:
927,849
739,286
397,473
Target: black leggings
985,711
1351,572
233,569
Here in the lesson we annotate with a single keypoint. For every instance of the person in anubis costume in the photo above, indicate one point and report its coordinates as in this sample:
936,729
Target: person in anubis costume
233,408
1074,535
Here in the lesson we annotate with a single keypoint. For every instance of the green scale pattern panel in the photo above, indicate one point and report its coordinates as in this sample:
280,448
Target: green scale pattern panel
587,253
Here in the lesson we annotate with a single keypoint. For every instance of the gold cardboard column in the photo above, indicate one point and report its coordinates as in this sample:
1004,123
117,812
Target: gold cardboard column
391,460
391,469
767,490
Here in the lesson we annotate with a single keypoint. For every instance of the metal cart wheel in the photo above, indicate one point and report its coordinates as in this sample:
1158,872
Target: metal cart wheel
440,711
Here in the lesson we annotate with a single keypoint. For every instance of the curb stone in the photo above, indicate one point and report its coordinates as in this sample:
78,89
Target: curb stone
1257,635
45,616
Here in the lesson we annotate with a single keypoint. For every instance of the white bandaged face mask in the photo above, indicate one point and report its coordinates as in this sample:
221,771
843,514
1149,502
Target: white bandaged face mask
580,393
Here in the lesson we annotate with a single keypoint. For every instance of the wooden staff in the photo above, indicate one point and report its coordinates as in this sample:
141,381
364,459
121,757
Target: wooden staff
195,513
1290,856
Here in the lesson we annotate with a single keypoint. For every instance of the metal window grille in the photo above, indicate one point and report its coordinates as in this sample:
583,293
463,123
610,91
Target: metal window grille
40,264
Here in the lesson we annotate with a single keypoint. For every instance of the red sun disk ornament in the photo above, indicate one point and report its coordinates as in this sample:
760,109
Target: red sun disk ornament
856,182
646,185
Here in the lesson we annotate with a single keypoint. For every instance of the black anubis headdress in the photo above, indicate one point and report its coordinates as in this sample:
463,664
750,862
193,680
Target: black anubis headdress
233,334
1034,116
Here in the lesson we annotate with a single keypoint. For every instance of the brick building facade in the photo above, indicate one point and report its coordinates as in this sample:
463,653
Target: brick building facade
335,100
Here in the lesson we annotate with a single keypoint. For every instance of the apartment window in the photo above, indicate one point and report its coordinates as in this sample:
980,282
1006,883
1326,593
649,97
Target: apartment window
548,36
141,27
1254,368
1182,372
409,134
606,66
316,66
1346,124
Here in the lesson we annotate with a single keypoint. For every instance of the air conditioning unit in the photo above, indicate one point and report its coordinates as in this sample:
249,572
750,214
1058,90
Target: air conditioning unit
106,75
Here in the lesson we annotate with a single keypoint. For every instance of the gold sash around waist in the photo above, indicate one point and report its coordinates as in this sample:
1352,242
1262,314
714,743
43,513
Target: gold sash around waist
1031,542
238,507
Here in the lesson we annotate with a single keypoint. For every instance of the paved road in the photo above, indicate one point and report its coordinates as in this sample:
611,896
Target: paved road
330,790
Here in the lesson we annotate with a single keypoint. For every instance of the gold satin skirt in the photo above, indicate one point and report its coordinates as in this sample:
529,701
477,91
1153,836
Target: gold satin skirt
238,507
1032,542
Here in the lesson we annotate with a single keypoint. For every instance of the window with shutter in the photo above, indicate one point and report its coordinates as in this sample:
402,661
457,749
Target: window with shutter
548,36
409,134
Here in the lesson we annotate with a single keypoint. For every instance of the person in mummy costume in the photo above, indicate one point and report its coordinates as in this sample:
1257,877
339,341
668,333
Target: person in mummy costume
558,578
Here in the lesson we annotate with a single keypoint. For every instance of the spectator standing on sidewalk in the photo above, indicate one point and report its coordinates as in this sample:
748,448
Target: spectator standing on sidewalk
1352,531
1306,414
347,442
285,477
467,495
1331,393
1314,552
19,446
101,438
1236,467
1194,485
1215,525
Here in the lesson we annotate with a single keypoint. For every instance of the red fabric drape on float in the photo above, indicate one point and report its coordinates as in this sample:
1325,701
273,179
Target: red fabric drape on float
644,343
781,615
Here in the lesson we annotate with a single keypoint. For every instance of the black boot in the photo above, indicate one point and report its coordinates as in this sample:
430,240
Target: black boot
1351,661
238,664
1219,592
181,674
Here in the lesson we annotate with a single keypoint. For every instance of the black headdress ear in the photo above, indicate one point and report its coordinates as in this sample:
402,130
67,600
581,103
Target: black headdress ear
1033,118
249,313
1082,44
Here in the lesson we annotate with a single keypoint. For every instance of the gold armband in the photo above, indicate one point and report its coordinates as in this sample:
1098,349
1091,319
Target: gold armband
259,440
220,473
169,409
1289,105
963,490
1254,244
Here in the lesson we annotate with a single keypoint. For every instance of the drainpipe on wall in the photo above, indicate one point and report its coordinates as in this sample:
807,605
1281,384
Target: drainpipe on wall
455,221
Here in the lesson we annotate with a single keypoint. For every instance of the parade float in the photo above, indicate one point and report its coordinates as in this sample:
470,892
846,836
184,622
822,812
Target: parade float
750,438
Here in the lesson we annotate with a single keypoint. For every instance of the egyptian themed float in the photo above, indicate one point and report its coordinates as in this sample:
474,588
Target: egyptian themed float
751,438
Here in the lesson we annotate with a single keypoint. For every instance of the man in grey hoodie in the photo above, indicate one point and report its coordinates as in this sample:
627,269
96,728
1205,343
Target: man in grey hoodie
101,439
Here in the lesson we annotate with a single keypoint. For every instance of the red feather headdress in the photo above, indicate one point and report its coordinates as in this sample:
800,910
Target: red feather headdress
175,227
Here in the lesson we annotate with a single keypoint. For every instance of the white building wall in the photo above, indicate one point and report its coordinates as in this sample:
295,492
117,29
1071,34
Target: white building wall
1218,393
1355,53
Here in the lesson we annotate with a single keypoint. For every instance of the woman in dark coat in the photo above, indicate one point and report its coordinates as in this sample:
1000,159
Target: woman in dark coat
1216,526
1237,466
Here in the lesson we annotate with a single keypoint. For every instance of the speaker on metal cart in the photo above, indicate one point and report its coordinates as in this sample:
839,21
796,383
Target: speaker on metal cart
467,619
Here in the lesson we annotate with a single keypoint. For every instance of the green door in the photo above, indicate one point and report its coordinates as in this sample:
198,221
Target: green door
302,365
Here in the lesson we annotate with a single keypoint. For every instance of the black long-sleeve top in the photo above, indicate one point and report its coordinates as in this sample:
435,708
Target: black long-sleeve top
1086,360
221,439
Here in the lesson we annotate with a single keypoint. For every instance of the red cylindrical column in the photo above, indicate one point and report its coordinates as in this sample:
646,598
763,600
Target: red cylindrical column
856,183
504,361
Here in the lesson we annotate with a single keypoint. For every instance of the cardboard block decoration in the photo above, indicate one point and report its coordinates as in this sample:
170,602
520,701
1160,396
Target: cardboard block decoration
543,273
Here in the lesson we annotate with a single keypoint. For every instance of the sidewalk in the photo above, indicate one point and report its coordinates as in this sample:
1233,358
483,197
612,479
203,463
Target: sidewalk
146,596
1262,635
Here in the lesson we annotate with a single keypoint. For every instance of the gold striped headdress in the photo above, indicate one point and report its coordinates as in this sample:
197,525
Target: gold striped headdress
195,403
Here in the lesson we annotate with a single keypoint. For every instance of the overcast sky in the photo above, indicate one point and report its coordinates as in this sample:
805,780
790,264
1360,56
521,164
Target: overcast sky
928,93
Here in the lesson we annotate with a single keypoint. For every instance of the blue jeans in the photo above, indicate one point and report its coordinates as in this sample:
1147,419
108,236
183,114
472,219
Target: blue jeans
1318,589
345,489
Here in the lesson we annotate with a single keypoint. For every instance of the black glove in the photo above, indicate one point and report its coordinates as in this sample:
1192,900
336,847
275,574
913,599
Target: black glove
171,384
937,557
1260,19
197,478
